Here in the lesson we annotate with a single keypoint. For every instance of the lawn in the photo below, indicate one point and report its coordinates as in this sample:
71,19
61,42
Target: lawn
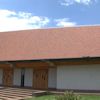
51,97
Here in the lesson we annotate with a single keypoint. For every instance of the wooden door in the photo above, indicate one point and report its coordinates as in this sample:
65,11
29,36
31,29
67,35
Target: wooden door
7,77
40,79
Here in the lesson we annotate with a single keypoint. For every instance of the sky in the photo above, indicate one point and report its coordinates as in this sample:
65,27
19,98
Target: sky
34,14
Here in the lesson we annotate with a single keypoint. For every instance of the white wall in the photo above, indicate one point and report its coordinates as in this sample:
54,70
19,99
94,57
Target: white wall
28,77
84,77
17,77
1,76
52,77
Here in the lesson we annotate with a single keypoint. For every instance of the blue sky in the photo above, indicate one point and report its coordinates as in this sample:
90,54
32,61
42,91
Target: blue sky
30,14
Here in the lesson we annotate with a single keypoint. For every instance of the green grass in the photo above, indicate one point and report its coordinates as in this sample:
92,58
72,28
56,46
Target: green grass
47,97
91,97
51,97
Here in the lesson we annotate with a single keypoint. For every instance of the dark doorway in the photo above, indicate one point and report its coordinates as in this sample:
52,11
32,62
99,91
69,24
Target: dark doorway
22,77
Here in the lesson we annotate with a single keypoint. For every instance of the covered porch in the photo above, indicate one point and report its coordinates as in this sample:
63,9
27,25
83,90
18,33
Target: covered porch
60,74
31,74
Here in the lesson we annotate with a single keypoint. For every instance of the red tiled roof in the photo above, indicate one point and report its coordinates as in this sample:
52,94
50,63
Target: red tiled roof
56,43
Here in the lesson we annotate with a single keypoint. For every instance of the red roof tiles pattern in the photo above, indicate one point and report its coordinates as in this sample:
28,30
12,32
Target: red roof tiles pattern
56,43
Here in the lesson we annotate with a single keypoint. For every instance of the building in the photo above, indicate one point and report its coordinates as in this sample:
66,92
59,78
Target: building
56,58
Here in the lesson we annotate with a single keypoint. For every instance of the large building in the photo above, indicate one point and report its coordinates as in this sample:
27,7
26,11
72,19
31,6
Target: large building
56,58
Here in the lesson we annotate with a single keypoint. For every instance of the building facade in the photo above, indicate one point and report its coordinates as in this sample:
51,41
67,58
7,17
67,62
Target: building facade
63,58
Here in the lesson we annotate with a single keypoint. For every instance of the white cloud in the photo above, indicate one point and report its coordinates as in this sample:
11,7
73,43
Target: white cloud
70,2
64,22
11,20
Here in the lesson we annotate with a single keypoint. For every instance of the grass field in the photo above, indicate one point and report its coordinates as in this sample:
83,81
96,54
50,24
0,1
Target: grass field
52,97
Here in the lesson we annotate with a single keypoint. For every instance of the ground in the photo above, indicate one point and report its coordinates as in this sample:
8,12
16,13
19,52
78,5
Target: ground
9,93
51,97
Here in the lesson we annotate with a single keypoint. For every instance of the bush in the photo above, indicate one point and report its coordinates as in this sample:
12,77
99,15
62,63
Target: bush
68,95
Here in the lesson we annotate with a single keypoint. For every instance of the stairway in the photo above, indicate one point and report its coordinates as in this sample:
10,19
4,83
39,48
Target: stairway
8,93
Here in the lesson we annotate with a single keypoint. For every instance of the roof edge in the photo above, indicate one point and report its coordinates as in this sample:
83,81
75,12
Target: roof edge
54,59
46,28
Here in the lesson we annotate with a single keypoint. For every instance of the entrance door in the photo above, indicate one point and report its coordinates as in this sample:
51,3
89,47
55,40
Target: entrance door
40,79
8,77
23,77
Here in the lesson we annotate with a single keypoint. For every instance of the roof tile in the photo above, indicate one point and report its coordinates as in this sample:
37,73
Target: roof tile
55,43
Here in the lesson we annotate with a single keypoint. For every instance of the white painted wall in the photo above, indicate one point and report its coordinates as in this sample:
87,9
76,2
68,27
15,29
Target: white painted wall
1,76
52,77
28,77
84,77
17,77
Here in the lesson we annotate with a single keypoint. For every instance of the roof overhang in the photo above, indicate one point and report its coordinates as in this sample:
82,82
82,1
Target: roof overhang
54,62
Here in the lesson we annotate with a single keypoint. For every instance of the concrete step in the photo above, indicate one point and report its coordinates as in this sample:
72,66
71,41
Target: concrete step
13,96
7,98
19,89
15,93
39,93
20,93
10,96
16,90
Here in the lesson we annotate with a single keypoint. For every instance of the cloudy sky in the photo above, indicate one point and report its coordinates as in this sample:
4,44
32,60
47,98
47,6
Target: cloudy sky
33,14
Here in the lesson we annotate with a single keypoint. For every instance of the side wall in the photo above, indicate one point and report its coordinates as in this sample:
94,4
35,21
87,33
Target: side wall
1,76
82,77
28,77
52,78
17,77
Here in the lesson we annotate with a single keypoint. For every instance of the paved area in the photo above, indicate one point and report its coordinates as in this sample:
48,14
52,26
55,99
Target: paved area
7,93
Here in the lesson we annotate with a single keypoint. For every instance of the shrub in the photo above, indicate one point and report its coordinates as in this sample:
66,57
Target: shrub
68,95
